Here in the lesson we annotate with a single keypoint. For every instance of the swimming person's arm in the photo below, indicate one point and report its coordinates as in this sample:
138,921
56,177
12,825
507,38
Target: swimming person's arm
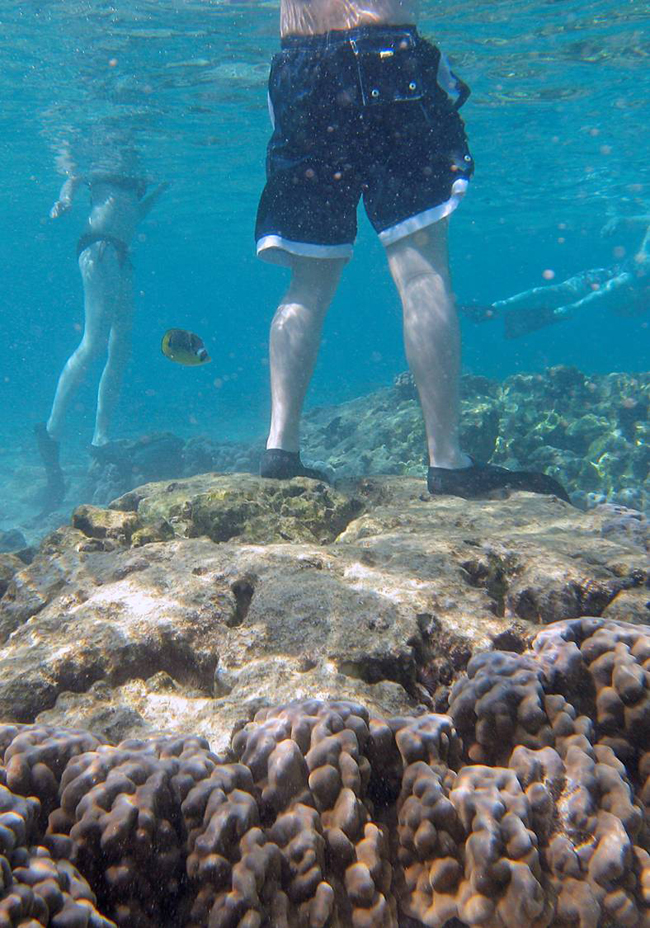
597,285
147,203
66,196
550,295
607,292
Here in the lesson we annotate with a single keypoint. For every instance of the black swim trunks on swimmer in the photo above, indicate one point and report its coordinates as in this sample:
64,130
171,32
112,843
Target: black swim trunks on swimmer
91,238
369,112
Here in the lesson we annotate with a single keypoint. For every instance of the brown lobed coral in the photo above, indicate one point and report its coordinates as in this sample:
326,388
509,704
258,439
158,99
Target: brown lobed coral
525,807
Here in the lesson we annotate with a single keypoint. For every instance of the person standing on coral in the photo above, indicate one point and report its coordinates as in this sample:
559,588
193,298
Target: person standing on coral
362,105
118,204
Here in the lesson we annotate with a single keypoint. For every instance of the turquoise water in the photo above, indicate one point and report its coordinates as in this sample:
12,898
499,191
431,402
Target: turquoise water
558,124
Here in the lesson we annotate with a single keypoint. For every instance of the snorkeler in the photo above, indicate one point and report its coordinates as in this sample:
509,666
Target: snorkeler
623,288
362,104
118,204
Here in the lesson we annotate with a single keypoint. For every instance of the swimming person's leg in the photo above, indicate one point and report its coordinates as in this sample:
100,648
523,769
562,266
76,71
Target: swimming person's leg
419,266
294,342
119,349
100,276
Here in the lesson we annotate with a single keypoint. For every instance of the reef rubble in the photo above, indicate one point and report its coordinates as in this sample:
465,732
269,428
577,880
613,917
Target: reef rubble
239,703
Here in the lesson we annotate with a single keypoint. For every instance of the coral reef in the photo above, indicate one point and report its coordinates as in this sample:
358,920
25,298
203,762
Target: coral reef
126,463
589,432
231,702
525,805
12,540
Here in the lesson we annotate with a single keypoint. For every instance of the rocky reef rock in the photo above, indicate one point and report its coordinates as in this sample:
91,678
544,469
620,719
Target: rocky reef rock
11,540
120,465
525,805
188,605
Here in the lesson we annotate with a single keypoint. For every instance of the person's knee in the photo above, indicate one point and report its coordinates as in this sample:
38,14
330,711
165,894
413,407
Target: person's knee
422,288
89,350
314,282
420,260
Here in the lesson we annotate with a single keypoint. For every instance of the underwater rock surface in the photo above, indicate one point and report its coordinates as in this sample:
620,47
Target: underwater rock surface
188,605
228,701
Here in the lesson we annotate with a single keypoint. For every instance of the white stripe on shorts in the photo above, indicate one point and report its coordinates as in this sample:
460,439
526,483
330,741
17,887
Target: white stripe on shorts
426,218
275,249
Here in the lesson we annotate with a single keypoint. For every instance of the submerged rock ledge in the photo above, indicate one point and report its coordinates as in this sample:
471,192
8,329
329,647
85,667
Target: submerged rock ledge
235,702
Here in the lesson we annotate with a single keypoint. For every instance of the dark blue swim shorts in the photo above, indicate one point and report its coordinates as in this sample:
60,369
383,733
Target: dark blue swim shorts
369,112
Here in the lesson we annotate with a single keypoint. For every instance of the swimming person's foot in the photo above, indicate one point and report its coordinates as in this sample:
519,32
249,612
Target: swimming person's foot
48,449
479,479
283,465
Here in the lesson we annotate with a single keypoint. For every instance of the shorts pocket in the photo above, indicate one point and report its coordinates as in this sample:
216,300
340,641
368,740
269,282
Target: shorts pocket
389,71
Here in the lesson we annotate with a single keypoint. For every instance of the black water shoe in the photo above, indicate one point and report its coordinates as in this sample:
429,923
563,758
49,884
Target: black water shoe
283,465
480,479
111,452
48,449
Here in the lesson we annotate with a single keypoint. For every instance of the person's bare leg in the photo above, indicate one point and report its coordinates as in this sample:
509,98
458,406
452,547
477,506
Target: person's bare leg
99,287
420,268
294,342
119,349
92,343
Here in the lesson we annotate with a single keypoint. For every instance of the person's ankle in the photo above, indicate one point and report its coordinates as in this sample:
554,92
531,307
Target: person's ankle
458,461
288,447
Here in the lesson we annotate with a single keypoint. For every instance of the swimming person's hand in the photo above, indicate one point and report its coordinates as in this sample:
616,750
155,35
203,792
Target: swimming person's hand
610,226
59,208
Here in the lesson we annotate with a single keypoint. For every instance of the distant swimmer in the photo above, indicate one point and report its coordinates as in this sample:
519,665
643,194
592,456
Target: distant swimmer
623,289
184,347
118,203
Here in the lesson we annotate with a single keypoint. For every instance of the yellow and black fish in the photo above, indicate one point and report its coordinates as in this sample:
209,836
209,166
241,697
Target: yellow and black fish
184,348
